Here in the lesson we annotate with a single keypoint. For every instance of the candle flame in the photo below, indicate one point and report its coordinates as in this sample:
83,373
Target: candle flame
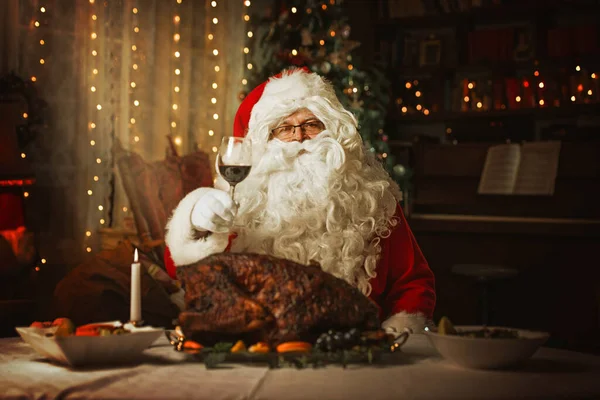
135,256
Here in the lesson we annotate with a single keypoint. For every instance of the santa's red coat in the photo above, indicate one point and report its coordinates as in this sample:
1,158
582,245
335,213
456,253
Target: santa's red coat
404,281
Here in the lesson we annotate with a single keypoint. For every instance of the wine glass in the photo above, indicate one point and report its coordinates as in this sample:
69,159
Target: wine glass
234,161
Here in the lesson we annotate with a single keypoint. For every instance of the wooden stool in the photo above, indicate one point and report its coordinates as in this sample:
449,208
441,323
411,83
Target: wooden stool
484,274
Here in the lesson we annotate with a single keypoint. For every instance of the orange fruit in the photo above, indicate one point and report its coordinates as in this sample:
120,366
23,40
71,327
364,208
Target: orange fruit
65,327
238,347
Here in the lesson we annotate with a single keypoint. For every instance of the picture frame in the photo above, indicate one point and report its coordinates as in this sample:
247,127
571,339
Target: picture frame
523,45
430,52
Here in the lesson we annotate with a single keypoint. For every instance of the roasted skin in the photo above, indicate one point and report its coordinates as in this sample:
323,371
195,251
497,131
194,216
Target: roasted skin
251,297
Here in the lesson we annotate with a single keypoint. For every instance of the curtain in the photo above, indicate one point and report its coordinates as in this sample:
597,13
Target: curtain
128,71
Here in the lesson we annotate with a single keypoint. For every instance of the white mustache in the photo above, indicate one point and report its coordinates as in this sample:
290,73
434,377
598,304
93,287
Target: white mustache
281,156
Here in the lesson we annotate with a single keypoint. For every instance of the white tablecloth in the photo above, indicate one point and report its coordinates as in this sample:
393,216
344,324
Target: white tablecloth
415,373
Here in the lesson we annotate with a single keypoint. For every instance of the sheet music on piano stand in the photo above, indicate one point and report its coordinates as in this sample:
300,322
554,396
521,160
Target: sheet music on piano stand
500,170
528,169
539,165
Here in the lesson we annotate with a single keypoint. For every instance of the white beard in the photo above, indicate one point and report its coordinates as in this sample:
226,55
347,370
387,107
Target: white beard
314,201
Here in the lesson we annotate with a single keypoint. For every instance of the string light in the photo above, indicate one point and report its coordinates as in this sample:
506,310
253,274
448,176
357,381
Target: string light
94,99
246,49
39,15
135,57
36,23
217,68
176,78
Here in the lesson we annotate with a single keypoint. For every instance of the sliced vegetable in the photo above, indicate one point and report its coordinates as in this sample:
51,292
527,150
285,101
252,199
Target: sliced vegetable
260,347
445,327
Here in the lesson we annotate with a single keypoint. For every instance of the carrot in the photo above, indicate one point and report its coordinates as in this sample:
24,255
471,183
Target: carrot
190,346
289,347
92,329
87,333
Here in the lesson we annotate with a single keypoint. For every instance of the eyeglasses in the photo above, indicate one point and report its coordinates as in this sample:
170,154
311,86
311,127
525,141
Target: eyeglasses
309,128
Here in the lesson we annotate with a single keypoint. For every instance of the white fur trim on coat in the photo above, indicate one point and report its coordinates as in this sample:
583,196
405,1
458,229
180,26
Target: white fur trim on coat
398,322
180,237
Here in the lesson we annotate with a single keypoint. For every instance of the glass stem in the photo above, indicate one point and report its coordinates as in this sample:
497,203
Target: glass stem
232,191
232,194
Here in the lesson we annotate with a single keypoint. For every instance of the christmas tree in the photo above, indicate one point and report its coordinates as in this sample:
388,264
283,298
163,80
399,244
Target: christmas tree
316,34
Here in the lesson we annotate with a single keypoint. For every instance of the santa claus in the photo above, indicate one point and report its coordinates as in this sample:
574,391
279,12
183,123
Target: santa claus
314,194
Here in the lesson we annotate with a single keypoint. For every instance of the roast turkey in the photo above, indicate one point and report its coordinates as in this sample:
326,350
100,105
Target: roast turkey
251,297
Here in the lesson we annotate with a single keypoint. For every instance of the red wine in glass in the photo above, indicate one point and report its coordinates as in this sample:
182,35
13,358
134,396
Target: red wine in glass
234,174
234,161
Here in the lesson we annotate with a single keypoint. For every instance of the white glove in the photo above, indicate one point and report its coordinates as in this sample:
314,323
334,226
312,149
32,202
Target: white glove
402,321
214,212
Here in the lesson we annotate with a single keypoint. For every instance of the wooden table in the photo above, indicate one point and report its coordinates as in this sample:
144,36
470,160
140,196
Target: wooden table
415,373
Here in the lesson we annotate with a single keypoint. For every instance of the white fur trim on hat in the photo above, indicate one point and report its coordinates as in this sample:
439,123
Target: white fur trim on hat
293,85
180,237
400,321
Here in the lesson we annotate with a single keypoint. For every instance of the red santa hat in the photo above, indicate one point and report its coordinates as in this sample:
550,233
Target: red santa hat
292,84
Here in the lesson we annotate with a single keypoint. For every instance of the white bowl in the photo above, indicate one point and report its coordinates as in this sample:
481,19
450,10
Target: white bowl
90,350
482,353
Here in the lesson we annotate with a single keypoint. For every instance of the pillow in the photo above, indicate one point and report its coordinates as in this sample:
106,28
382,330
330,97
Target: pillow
99,290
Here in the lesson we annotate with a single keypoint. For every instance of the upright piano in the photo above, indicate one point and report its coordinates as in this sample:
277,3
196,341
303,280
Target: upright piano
553,241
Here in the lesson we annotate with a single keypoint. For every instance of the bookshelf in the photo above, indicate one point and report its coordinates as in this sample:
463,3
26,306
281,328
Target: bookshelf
493,13
549,113
453,62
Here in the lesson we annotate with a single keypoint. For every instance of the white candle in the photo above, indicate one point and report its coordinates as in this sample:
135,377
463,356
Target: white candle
135,313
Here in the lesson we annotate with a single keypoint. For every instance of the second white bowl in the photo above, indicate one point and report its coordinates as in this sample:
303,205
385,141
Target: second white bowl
484,353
